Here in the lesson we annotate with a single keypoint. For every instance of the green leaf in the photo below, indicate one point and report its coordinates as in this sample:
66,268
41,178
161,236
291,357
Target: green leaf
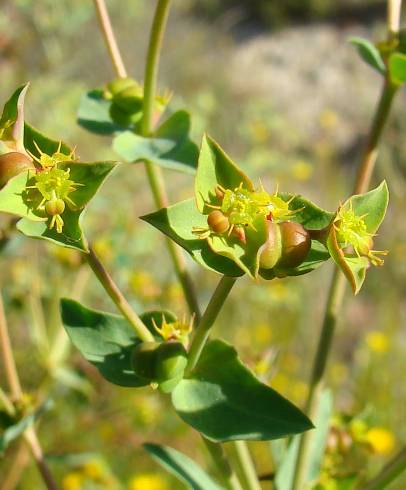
170,147
107,340
224,401
284,475
397,68
34,138
14,431
94,114
216,168
369,53
372,205
311,216
89,175
12,119
182,467
177,223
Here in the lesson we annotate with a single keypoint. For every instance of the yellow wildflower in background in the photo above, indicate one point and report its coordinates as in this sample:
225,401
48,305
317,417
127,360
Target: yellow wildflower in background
148,481
378,342
382,441
302,170
72,481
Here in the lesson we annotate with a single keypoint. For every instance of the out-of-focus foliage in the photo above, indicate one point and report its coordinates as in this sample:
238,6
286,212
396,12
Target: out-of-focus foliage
291,113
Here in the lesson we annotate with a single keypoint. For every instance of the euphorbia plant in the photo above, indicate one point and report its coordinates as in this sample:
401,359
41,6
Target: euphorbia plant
231,227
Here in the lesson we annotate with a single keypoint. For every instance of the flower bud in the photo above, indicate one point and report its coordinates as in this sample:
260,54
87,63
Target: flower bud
218,222
296,244
13,163
271,251
55,207
144,358
119,84
129,100
171,361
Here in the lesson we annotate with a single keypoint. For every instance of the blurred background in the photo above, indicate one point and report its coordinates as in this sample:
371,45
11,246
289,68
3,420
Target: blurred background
282,90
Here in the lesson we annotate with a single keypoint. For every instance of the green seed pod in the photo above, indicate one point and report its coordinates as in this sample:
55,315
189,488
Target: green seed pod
171,362
129,100
55,207
169,385
271,251
13,163
119,84
218,222
144,358
123,118
296,244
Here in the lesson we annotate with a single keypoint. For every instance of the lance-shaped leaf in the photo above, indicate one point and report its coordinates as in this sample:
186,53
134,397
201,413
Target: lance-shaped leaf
354,225
88,176
182,467
224,401
177,222
169,147
215,168
369,53
12,122
107,340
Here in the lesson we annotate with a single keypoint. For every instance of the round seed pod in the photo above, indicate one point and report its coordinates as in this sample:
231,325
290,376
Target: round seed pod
144,357
119,84
123,118
171,361
271,250
129,100
55,207
13,163
218,222
296,244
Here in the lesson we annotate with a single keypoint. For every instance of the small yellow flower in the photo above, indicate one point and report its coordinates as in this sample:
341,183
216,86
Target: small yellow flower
148,481
93,470
262,334
378,342
381,440
72,481
302,170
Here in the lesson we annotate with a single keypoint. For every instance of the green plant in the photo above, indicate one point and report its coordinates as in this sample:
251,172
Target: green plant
231,227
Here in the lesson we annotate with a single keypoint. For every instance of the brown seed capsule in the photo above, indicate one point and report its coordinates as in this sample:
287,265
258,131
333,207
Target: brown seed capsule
218,222
296,244
13,163
272,248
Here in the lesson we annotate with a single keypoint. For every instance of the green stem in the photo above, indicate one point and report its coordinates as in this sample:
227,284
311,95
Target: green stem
16,391
337,288
389,472
246,466
154,173
117,296
209,317
225,472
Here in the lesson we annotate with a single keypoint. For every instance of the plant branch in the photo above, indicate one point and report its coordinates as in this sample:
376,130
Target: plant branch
389,472
109,38
338,283
16,394
117,296
394,9
209,317
154,173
